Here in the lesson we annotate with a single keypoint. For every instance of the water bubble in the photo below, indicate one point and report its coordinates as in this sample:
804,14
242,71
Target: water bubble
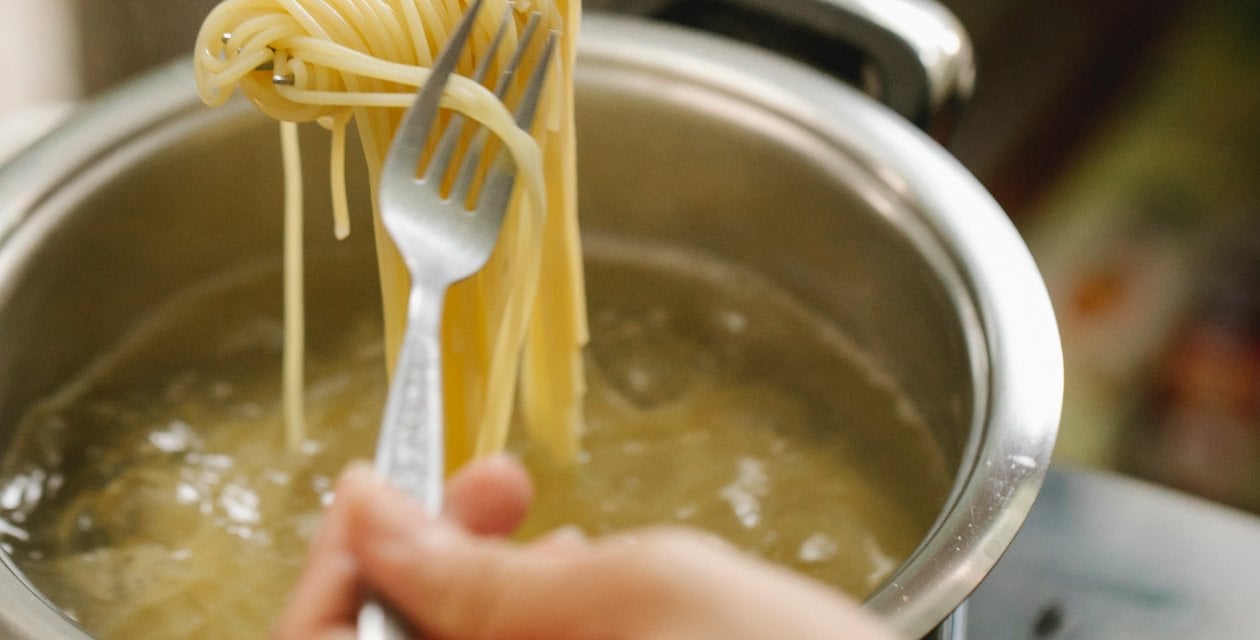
819,547
732,320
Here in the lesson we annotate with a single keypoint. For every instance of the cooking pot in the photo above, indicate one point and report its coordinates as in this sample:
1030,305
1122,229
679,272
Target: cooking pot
688,141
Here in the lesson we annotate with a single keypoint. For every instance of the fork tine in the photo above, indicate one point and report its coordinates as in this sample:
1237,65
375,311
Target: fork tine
527,35
493,48
498,186
444,154
472,159
527,108
406,150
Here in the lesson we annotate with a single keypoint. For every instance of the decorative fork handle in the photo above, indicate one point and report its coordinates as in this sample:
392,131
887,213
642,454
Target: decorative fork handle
409,451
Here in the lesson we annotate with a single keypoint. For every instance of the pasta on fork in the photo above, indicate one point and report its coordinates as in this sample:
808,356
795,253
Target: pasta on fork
520,321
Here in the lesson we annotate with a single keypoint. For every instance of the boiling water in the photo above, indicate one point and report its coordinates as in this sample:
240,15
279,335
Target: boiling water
717,401
153,497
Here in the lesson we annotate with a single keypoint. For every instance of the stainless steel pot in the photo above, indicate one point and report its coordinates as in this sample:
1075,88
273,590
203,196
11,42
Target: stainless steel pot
686,140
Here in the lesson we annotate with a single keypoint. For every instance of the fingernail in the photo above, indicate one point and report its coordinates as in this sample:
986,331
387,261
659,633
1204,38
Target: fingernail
568,533
437,537
502,458
563,540
360,469
400,539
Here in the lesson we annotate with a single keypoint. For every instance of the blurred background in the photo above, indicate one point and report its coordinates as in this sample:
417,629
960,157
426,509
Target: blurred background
1123,139
1129,157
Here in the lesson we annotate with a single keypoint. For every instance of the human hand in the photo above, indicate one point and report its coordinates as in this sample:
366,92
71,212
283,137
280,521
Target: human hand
452,579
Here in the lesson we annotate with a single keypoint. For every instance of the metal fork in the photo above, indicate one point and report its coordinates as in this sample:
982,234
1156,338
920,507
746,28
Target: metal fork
441,241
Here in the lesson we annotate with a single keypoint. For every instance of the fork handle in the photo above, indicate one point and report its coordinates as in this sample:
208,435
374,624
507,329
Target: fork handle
410,450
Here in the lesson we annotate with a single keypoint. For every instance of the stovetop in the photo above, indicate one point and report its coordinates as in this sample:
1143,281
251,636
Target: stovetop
1104,556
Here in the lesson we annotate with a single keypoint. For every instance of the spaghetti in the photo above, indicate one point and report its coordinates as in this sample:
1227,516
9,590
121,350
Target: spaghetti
338,61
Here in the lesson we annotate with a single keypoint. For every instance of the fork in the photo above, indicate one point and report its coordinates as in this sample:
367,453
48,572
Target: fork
442,241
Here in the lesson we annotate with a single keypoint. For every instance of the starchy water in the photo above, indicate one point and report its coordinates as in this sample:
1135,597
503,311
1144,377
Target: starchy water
153,496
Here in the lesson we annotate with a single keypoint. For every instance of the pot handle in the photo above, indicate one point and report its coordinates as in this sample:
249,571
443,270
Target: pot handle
921,56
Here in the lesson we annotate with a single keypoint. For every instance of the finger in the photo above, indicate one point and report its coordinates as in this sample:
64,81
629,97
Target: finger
443,600
715,589
327,592
490,496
